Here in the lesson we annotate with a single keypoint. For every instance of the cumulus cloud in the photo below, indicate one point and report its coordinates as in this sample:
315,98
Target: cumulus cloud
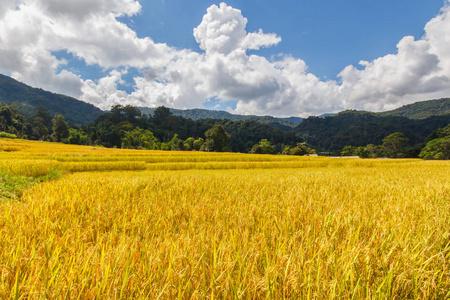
222,30
105,90
5,6
82,9
438,36
31,30
414,70
419,70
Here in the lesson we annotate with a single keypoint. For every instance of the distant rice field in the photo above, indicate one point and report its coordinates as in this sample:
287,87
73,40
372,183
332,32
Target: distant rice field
130,224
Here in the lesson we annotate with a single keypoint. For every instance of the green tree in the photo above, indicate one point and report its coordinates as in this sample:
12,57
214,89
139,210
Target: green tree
300,149
6,117
354,151
43,113
161,116
374,151
123,127
11,121
361,152
436,149
286,150
76,137
438,146
348,151
217,139
175,143
126,113
198,143
139,139
105,133
264,147
39,128
188,144
395,144
60,128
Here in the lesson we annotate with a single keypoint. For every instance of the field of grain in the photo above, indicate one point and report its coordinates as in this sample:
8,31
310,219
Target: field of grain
126,224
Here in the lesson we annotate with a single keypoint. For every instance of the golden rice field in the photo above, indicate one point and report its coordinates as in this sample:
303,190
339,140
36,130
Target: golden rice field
125,224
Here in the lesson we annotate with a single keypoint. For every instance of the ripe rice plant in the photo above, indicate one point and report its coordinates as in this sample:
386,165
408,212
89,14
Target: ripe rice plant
316,228
30,168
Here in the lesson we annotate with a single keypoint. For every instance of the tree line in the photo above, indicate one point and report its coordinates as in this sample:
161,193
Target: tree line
396,145
126,127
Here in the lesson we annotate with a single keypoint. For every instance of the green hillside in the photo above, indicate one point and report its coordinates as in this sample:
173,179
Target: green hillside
422,109
199,114
25,98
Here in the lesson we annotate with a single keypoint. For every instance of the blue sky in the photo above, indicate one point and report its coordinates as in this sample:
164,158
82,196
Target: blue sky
311,57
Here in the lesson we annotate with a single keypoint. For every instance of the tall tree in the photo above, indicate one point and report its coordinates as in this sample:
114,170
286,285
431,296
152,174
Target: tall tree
161,115
11,121
43,113
60,128
217,139
139,139
264,147
126,113
395,144
6,117
188,144
198,143
39,128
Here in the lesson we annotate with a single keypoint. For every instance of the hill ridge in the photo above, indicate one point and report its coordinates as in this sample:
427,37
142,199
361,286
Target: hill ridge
421,109
27,97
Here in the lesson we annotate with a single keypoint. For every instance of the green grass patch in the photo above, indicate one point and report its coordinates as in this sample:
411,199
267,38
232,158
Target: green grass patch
11,186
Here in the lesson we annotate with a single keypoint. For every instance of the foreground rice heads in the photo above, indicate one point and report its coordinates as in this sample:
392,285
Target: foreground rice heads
332,229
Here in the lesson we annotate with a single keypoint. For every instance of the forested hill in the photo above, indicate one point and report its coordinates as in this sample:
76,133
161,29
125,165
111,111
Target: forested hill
422,109
199,114
25,98
359,128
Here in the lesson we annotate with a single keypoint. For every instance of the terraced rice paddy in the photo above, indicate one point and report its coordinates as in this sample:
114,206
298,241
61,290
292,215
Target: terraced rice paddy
124,224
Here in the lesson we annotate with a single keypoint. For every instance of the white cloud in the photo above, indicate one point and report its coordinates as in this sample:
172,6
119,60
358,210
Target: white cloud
82,9
222,30
438,36
256,40
105,91
6,5
419,70
31,30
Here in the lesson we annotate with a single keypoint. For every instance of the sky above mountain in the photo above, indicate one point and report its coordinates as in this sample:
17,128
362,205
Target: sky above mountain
282,58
